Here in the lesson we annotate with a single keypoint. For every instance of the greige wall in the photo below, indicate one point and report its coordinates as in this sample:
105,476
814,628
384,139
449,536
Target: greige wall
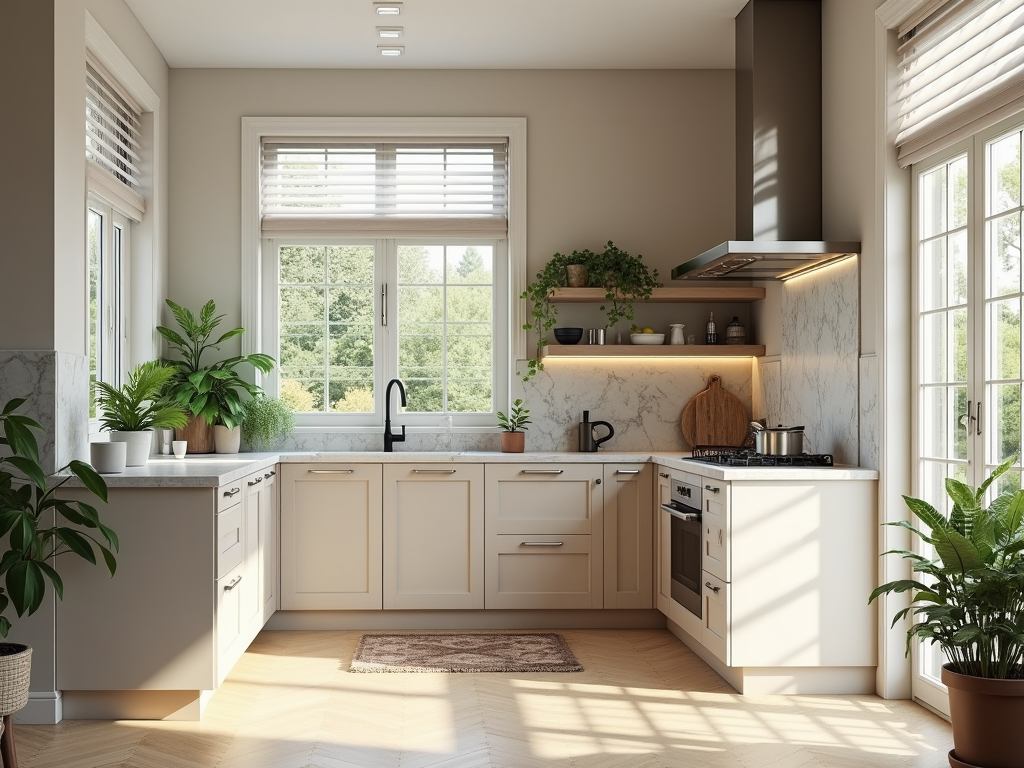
643,158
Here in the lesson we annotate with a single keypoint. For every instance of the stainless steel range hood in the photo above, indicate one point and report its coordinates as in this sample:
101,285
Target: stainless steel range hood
778,150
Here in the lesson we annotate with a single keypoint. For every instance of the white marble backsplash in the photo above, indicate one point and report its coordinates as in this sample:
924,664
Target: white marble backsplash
869,426
771,392
642,399
323,441
820,354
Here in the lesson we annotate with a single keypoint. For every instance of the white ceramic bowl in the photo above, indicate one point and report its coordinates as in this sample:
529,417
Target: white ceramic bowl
647,338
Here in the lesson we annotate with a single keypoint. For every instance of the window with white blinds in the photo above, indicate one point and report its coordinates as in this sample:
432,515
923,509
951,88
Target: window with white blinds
962,69
382,189
112,147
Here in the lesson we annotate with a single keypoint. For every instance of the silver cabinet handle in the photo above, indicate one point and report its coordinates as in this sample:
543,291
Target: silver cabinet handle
330,471
269,475
541,471
686,516
709,488
233,584
257,481
434,471
716,590
979,417
627,471
721,543
232,492
541,544
663,474
384,304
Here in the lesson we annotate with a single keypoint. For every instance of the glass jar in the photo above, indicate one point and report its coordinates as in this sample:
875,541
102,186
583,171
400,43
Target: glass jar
735,333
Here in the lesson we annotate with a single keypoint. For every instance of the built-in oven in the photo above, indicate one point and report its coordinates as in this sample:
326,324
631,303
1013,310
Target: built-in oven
685,549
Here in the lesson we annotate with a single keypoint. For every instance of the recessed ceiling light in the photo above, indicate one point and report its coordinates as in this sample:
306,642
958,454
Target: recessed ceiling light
391,50
389,32
388,9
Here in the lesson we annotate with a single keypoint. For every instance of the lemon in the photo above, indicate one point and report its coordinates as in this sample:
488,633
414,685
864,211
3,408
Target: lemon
647,330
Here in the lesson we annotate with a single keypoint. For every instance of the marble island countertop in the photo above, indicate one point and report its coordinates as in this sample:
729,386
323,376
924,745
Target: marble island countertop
211,470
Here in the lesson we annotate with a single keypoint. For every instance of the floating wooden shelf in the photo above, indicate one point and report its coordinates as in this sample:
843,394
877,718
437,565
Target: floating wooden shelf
653,350
690,294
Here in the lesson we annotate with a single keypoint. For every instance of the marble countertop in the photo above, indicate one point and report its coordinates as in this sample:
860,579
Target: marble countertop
219,469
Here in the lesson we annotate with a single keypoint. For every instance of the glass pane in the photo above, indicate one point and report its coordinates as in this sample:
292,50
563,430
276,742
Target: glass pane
470,264
958,317
94,255
934,348
422,264
936,420
933,203
934,279
1004,255
350,265
958,200
469,305
1004,174
303,338
1003,422
303,264
958,264
1004,339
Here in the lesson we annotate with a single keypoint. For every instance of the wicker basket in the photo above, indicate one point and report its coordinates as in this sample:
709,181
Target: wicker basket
15,670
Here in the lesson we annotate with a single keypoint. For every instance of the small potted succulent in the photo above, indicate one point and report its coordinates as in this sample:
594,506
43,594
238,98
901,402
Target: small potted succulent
132,411
513,436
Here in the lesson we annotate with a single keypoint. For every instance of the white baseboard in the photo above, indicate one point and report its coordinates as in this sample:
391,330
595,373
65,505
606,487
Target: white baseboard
467,619
43,708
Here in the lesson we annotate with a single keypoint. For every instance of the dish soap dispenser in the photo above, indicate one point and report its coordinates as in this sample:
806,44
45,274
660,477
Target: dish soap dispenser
712,334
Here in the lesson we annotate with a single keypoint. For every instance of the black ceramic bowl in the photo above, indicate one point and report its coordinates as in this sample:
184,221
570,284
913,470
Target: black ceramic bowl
568,335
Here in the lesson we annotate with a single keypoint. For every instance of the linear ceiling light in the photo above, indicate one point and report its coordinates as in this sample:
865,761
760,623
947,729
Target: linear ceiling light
391,50
389,32
388,9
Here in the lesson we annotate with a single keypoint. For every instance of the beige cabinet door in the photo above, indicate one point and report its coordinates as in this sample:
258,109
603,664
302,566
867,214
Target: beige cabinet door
543,571
628,536
544,498
250,604
270,523
331,536
716,528
433,536
663,548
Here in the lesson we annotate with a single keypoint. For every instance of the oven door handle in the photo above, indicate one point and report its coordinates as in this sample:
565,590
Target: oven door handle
686,516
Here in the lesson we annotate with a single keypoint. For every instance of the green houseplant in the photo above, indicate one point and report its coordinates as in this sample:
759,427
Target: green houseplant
130,411
624,278
264,421
969,600
210,393
513,435
39,527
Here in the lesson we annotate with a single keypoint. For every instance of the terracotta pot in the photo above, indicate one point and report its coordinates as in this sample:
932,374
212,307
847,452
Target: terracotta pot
576,275
986,715
198,434
227,440
513,442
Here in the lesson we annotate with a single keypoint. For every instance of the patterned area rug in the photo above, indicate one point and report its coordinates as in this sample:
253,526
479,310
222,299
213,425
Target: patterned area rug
503,652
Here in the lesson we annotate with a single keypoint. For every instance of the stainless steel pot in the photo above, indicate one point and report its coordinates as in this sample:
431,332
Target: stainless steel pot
778,441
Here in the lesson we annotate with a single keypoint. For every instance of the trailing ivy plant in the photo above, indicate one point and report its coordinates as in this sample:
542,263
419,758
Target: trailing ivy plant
623,277
265,420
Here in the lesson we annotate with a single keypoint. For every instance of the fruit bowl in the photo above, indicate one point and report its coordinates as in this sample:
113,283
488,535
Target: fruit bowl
647,338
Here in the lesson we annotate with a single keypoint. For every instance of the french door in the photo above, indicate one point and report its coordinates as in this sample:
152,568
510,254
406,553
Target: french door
967,337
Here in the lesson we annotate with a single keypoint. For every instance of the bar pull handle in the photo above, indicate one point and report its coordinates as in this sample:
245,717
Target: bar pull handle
383,304
979,417
541,471
713,490
627,471
233,584
434,471
541,544
663,474
232,492
713,588
329,471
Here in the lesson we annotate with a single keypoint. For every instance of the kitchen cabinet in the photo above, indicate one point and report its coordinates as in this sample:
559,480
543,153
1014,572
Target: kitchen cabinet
331,536
544,535
628,536
269,543
433,536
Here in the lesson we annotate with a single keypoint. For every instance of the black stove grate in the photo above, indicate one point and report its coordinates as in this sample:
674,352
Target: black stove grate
740,457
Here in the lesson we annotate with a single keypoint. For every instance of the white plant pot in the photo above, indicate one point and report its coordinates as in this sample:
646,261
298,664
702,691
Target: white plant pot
227,440
140,445
108,458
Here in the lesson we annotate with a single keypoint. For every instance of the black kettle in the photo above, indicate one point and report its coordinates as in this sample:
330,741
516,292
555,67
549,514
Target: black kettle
589,443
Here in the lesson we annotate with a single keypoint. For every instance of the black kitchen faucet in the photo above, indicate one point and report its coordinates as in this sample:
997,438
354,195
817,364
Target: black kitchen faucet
389,438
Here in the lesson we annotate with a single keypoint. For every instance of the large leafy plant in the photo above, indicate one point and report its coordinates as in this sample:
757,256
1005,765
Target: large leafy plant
969,598
208,391
138,404
27,500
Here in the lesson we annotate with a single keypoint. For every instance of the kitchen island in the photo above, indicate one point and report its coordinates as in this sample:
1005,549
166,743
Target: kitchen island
216,548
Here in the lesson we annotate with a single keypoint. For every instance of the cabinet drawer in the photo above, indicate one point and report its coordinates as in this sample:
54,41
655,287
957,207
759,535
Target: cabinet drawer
543,571
715,599
229,495
544,498
230,546
229,590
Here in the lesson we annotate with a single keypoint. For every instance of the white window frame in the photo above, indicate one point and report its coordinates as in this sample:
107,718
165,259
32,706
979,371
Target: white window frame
256,291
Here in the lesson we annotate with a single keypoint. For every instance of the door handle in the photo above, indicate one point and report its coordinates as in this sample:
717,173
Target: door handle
979,417
541,544
541,471
232,492
233,584
330,471
714,589
627,471
434,471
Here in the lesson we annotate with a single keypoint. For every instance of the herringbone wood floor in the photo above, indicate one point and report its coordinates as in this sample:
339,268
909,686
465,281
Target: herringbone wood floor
644,700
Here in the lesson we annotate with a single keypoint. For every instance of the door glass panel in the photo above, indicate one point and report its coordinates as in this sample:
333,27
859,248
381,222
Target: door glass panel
94,254
933,203
1004,254
1004,174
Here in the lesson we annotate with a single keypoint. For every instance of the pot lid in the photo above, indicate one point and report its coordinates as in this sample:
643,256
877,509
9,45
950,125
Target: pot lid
781,428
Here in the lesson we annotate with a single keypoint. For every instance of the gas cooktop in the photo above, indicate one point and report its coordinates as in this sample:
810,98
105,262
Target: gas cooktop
744,457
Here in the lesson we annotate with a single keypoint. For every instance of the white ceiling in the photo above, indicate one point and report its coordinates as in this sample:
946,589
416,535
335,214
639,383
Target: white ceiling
445,34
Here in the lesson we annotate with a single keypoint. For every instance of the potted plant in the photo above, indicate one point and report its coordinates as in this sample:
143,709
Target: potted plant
210,393
34,539
969,600
132,411
264,421
512,439
624,278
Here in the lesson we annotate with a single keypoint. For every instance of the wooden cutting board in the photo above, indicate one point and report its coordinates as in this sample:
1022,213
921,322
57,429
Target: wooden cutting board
715,417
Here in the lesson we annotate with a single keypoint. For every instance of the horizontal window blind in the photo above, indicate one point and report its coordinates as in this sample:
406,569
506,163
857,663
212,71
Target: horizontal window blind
113,124
962,70
373,188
